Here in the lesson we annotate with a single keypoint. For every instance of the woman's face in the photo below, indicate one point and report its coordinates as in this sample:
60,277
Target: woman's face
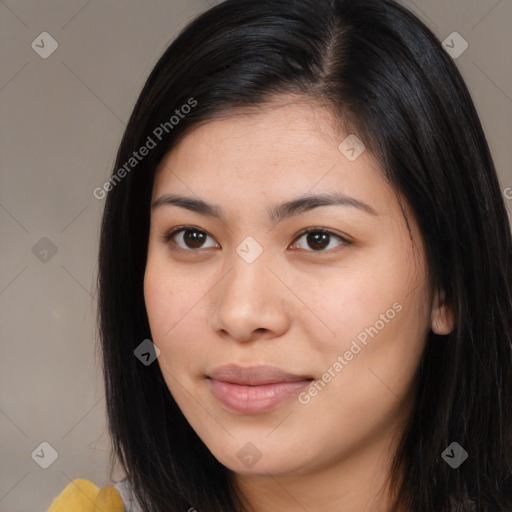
287,352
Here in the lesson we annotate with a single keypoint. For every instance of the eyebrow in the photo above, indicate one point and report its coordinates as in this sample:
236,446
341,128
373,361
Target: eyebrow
276,213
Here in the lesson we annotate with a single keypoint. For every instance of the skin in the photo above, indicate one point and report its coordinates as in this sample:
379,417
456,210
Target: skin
293,307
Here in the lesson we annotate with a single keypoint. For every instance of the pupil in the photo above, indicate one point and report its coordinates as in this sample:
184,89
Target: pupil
318,241
194,239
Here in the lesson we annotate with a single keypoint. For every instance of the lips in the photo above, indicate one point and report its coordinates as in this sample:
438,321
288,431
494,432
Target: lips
254,389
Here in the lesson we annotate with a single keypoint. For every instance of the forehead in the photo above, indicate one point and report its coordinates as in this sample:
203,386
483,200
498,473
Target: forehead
289,146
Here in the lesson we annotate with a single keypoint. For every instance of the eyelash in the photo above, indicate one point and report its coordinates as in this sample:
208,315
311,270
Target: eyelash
168,238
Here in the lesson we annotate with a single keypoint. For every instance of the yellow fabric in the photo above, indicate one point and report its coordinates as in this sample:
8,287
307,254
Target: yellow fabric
82,495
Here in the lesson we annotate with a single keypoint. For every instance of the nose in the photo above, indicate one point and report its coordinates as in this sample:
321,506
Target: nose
250,302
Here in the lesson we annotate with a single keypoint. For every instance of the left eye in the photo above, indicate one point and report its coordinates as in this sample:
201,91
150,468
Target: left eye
319,239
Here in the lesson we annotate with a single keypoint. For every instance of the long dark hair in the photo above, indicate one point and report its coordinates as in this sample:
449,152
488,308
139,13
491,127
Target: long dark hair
387,78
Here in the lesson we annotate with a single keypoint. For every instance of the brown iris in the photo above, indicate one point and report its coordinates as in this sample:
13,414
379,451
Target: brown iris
194,239
318,240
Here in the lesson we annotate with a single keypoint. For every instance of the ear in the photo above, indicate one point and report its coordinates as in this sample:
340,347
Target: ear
442,317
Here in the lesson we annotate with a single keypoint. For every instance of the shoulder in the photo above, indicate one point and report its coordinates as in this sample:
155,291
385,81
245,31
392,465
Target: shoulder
80,494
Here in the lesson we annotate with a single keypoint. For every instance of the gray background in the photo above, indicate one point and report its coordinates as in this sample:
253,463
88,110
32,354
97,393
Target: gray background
62,120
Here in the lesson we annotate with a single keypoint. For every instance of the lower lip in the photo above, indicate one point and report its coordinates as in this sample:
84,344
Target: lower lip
254,399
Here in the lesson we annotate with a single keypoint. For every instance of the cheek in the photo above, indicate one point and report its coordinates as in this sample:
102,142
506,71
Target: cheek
159,302
169,295
173,305
381,357
380,320
346,305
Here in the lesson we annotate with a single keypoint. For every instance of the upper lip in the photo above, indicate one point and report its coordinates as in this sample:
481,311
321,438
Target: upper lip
254,375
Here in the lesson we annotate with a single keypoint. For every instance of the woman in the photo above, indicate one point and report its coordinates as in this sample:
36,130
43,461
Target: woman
305,272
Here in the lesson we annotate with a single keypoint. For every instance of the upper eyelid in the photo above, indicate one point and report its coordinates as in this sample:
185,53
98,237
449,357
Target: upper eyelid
178,229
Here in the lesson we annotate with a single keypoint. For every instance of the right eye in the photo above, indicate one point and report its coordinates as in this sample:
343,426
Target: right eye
187,239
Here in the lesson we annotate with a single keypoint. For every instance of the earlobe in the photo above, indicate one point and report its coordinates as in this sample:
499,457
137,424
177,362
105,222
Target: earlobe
442,317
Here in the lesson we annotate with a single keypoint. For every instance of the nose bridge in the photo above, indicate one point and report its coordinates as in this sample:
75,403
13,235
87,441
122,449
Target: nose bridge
248,298
249,277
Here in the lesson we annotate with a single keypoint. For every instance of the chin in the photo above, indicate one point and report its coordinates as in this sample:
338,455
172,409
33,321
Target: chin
248,461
